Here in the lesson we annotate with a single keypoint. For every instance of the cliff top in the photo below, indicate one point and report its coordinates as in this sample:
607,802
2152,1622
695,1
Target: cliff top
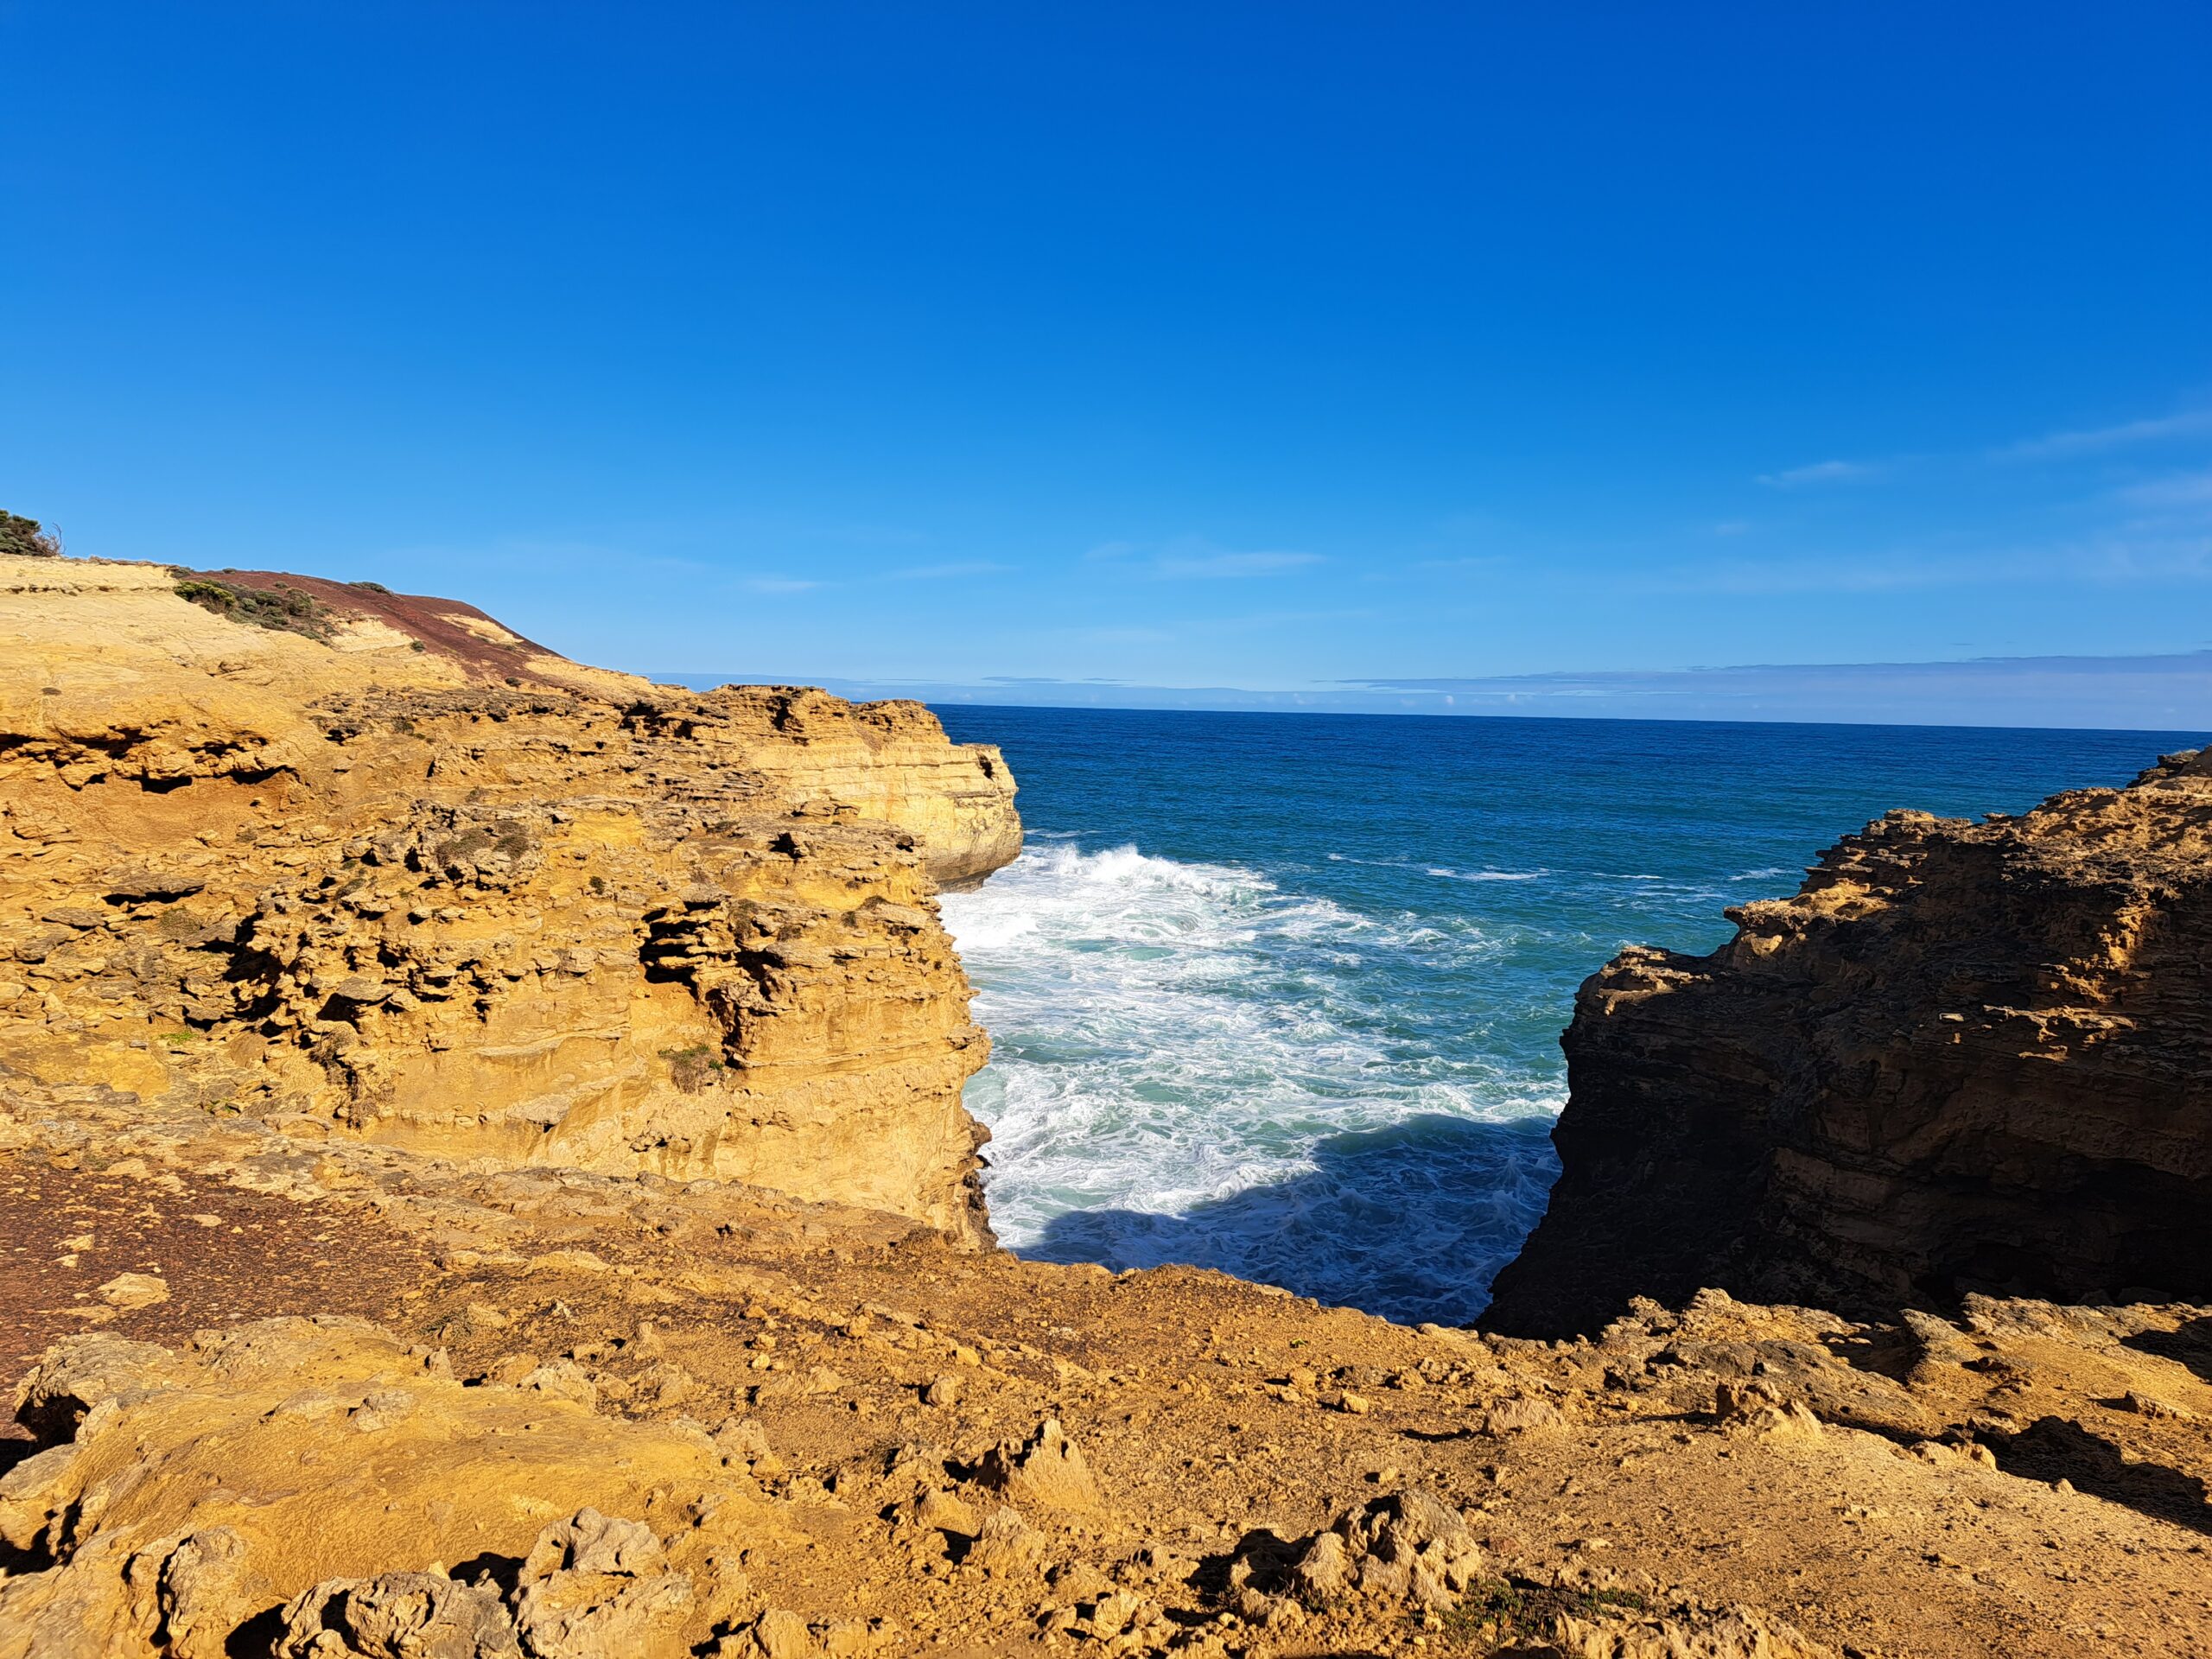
90,614
113,640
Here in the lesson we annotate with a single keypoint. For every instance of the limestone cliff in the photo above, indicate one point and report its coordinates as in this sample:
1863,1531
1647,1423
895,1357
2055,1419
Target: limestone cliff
373,865
1965,1056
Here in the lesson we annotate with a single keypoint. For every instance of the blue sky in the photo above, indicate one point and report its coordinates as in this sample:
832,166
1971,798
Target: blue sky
1289,350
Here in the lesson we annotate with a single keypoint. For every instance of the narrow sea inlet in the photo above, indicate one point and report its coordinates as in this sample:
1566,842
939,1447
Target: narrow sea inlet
1282,994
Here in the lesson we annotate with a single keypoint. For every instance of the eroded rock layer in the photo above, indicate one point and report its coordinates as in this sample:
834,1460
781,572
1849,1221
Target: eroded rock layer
1964,1057
372,865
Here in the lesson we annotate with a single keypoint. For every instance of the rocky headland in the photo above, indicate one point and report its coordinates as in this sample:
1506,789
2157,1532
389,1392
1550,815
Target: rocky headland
1965,1057
480,1144
356,864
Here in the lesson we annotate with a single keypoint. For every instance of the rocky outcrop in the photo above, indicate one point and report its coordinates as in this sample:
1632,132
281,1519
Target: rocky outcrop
515,1458
195,1499
1965,1056
885,761
371,864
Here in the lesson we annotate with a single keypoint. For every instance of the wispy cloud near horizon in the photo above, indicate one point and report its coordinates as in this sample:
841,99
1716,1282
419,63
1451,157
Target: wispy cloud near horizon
2168,694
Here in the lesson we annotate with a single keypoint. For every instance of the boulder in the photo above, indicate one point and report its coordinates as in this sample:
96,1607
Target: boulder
1045,1471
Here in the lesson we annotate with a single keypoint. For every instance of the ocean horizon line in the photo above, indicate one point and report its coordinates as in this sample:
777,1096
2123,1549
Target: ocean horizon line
2168,693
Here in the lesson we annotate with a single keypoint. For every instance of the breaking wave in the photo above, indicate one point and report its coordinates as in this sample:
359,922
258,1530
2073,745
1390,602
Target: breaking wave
1196,1063
1318,1044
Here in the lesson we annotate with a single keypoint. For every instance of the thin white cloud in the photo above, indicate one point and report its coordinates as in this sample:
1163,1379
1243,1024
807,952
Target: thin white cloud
2118,556
1474,561
2170,690
2098,439
2181,490
1206,566
778,584
1820,472
951,572
1193,558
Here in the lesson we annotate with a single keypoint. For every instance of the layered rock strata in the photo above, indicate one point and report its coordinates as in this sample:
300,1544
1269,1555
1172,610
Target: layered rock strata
372,865
1965,1056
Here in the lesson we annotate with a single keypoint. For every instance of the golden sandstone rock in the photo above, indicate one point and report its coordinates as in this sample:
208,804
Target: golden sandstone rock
406,877
197,1490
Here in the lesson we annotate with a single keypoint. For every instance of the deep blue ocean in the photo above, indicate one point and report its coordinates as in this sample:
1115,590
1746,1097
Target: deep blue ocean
1281,994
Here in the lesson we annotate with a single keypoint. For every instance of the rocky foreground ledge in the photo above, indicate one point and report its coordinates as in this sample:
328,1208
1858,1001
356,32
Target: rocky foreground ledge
1965,1057
363,1402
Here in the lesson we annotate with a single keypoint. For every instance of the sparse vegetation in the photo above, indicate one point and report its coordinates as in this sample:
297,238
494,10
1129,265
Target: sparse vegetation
287,610
370,587
27,538
510,838
1510,1610
177,923
692,1069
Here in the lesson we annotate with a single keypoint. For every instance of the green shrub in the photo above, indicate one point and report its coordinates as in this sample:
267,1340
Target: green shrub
27,538
1508,1610
286,609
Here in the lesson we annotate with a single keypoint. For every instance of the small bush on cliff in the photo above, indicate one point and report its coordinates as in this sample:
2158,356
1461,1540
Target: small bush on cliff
27,538
692,1069
285,609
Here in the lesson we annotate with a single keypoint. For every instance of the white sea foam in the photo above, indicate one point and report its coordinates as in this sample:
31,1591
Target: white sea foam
1194,1063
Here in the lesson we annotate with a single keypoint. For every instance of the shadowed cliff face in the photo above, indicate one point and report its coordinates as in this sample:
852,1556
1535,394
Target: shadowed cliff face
374,866
1963,1057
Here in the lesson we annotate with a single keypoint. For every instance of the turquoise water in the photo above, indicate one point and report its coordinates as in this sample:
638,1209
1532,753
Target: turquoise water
1282,994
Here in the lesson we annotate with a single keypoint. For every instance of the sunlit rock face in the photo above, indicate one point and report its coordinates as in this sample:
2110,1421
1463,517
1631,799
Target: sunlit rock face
372,865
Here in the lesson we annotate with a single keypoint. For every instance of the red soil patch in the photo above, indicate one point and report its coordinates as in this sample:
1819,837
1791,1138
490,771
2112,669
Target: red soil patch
421,617
226,1255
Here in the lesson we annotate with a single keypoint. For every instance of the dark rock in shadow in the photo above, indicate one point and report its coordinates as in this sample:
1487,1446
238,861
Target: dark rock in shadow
2053,1448
1409,1221
1930,1073
2191,1345
257,1636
